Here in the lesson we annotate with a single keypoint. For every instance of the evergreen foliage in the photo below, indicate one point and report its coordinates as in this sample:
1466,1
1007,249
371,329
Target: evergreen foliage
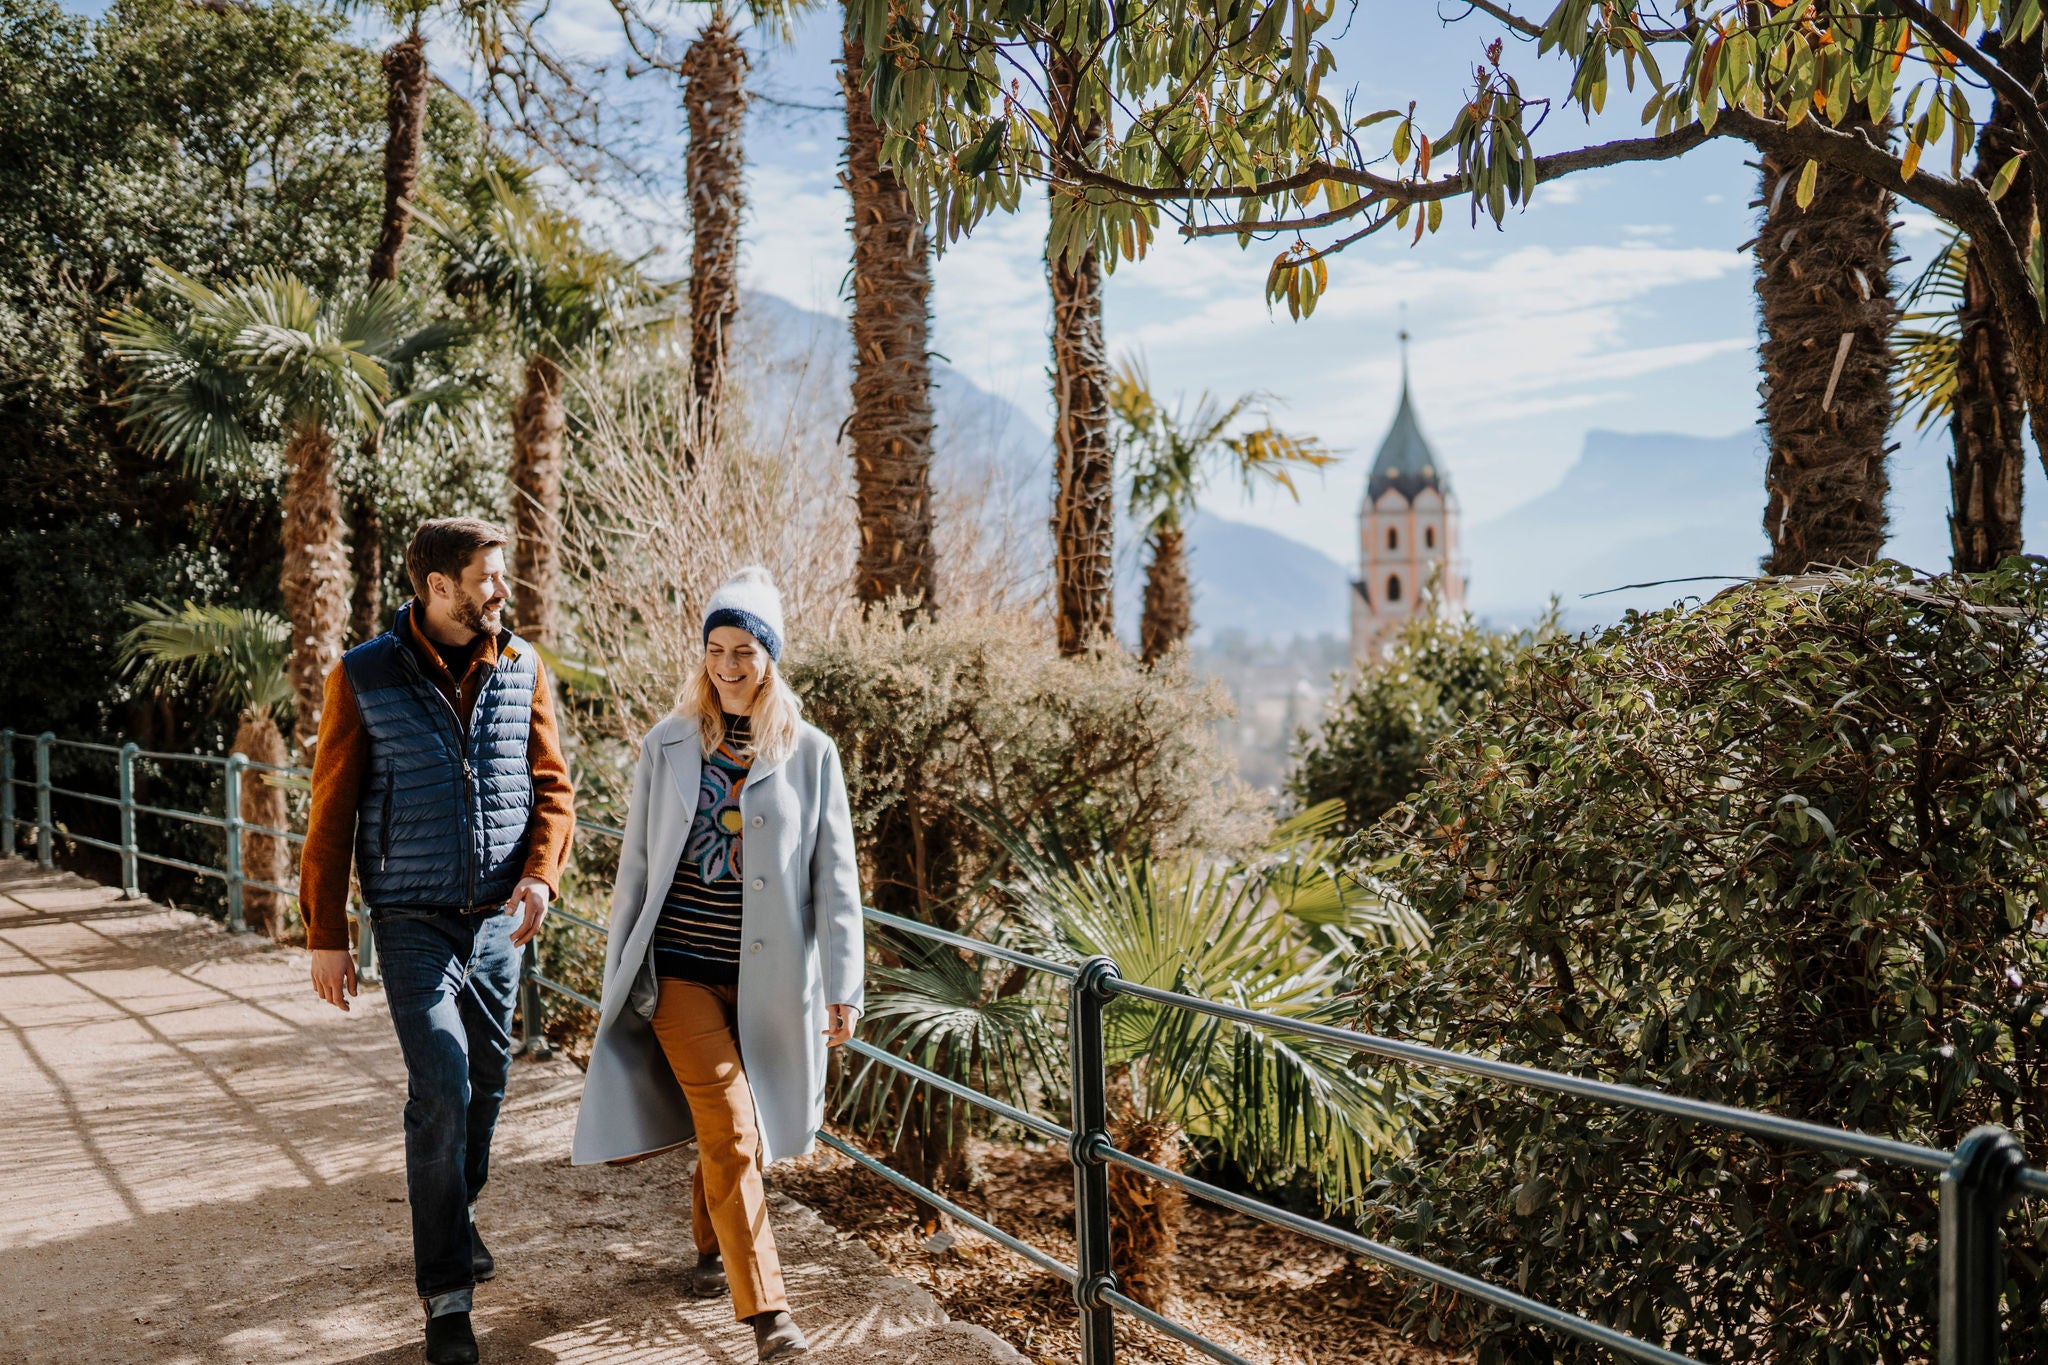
1371,751
1783,851
219,139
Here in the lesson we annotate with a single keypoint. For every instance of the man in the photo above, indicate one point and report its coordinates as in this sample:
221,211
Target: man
439,774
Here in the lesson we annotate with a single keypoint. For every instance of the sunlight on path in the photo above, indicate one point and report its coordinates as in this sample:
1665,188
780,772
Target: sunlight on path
202,1163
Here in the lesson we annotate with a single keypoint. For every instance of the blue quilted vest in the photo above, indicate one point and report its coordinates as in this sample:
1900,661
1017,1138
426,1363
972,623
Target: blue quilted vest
441,822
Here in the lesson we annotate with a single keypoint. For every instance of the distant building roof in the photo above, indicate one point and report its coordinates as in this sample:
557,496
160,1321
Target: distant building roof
1405,462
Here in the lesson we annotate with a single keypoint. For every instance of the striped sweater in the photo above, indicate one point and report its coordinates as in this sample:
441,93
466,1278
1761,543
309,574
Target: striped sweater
697,937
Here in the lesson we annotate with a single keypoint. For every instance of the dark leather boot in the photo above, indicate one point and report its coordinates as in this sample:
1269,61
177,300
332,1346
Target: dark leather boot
450,1340
481,1263
708,1280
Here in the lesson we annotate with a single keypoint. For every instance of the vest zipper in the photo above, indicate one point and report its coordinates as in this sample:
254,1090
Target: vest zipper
384,837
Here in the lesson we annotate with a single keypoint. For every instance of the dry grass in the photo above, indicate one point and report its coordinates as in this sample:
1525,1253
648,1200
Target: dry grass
1272,1297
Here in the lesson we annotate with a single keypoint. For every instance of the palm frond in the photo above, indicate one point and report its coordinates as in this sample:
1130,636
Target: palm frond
185,396
1278,1105
236,655
1924,378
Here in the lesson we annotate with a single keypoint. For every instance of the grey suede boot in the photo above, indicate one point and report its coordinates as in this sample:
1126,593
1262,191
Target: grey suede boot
776,1337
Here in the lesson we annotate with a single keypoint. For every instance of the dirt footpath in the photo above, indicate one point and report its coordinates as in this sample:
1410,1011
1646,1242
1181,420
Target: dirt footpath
200,1162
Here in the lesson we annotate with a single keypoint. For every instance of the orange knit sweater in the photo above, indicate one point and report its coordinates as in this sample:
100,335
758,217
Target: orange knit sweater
342,757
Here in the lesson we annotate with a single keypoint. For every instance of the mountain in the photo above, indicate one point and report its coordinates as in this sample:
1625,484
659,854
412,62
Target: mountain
1633,509
1652,507
989,454
1249,581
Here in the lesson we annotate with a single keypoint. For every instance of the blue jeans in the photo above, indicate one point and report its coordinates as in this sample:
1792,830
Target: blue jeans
450,980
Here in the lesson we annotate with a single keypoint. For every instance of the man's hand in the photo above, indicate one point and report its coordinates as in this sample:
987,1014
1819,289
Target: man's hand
334,976
840,1020
531,898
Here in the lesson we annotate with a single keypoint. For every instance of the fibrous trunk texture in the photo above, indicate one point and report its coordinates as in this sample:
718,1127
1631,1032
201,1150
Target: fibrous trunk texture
1169,600
539,453
366,558
1145,1213
265,857
890,428
405,119
1990,407
1084,493
715,99
405,122
1825,298
315,580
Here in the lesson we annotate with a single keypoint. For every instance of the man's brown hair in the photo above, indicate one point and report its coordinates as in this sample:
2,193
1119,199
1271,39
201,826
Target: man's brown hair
445,545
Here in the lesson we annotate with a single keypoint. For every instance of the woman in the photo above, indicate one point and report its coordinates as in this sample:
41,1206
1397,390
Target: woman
734,955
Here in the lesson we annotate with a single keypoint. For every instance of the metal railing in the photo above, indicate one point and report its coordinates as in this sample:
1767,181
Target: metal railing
1980,1180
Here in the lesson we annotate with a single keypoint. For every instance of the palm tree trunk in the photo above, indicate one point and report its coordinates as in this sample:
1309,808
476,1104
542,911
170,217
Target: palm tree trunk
366,556
1084,495
890,428
265,857
1989,413
715,99
539,441
1825,298
405,121
1145,1213
1169,601
315,581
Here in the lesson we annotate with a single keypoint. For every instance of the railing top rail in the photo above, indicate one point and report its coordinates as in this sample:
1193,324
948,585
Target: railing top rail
1749,1121
972,945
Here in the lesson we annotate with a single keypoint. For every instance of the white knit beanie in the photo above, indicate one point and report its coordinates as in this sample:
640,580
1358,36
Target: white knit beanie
749,600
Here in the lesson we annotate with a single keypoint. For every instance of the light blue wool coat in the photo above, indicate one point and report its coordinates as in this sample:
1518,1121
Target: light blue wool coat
800,947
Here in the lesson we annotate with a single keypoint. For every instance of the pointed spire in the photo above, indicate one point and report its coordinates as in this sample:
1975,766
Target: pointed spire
1405,461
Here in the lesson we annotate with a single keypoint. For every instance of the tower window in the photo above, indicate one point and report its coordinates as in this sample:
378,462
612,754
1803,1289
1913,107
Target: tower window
1394,588
1429,537
1393,539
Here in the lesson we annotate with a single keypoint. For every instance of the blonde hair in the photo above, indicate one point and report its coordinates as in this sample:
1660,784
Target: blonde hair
772,727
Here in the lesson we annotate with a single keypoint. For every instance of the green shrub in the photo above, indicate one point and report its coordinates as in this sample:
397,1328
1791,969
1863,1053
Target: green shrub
1371,747
1783,851
941,723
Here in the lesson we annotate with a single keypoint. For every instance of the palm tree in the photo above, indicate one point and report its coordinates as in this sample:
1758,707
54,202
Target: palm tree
237,658
714,71
890,428
1959,364
531,267
1268,934
1824,259
1171,454
1084,493
267,349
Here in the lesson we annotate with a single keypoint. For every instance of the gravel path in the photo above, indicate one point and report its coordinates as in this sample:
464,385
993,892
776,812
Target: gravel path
200,1162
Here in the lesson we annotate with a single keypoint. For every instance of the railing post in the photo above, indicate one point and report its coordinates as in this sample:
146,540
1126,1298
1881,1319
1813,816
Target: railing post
46,828
533,1037
131,879
1092,1261
6,793
1980,1184
366,944
236,764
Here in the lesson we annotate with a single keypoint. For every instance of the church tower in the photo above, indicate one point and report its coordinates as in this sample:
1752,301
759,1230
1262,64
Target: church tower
1408,534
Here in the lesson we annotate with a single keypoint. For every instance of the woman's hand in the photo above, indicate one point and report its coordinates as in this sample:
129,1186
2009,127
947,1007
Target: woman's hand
840,1021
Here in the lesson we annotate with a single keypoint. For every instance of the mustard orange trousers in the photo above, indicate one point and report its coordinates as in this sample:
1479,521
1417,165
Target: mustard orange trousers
699,1031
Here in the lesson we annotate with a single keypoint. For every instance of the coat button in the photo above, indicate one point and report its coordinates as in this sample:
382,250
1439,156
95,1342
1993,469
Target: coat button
758,822
758,883
755,946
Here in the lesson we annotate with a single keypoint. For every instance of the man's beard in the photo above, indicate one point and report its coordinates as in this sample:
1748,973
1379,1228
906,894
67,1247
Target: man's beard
471,615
